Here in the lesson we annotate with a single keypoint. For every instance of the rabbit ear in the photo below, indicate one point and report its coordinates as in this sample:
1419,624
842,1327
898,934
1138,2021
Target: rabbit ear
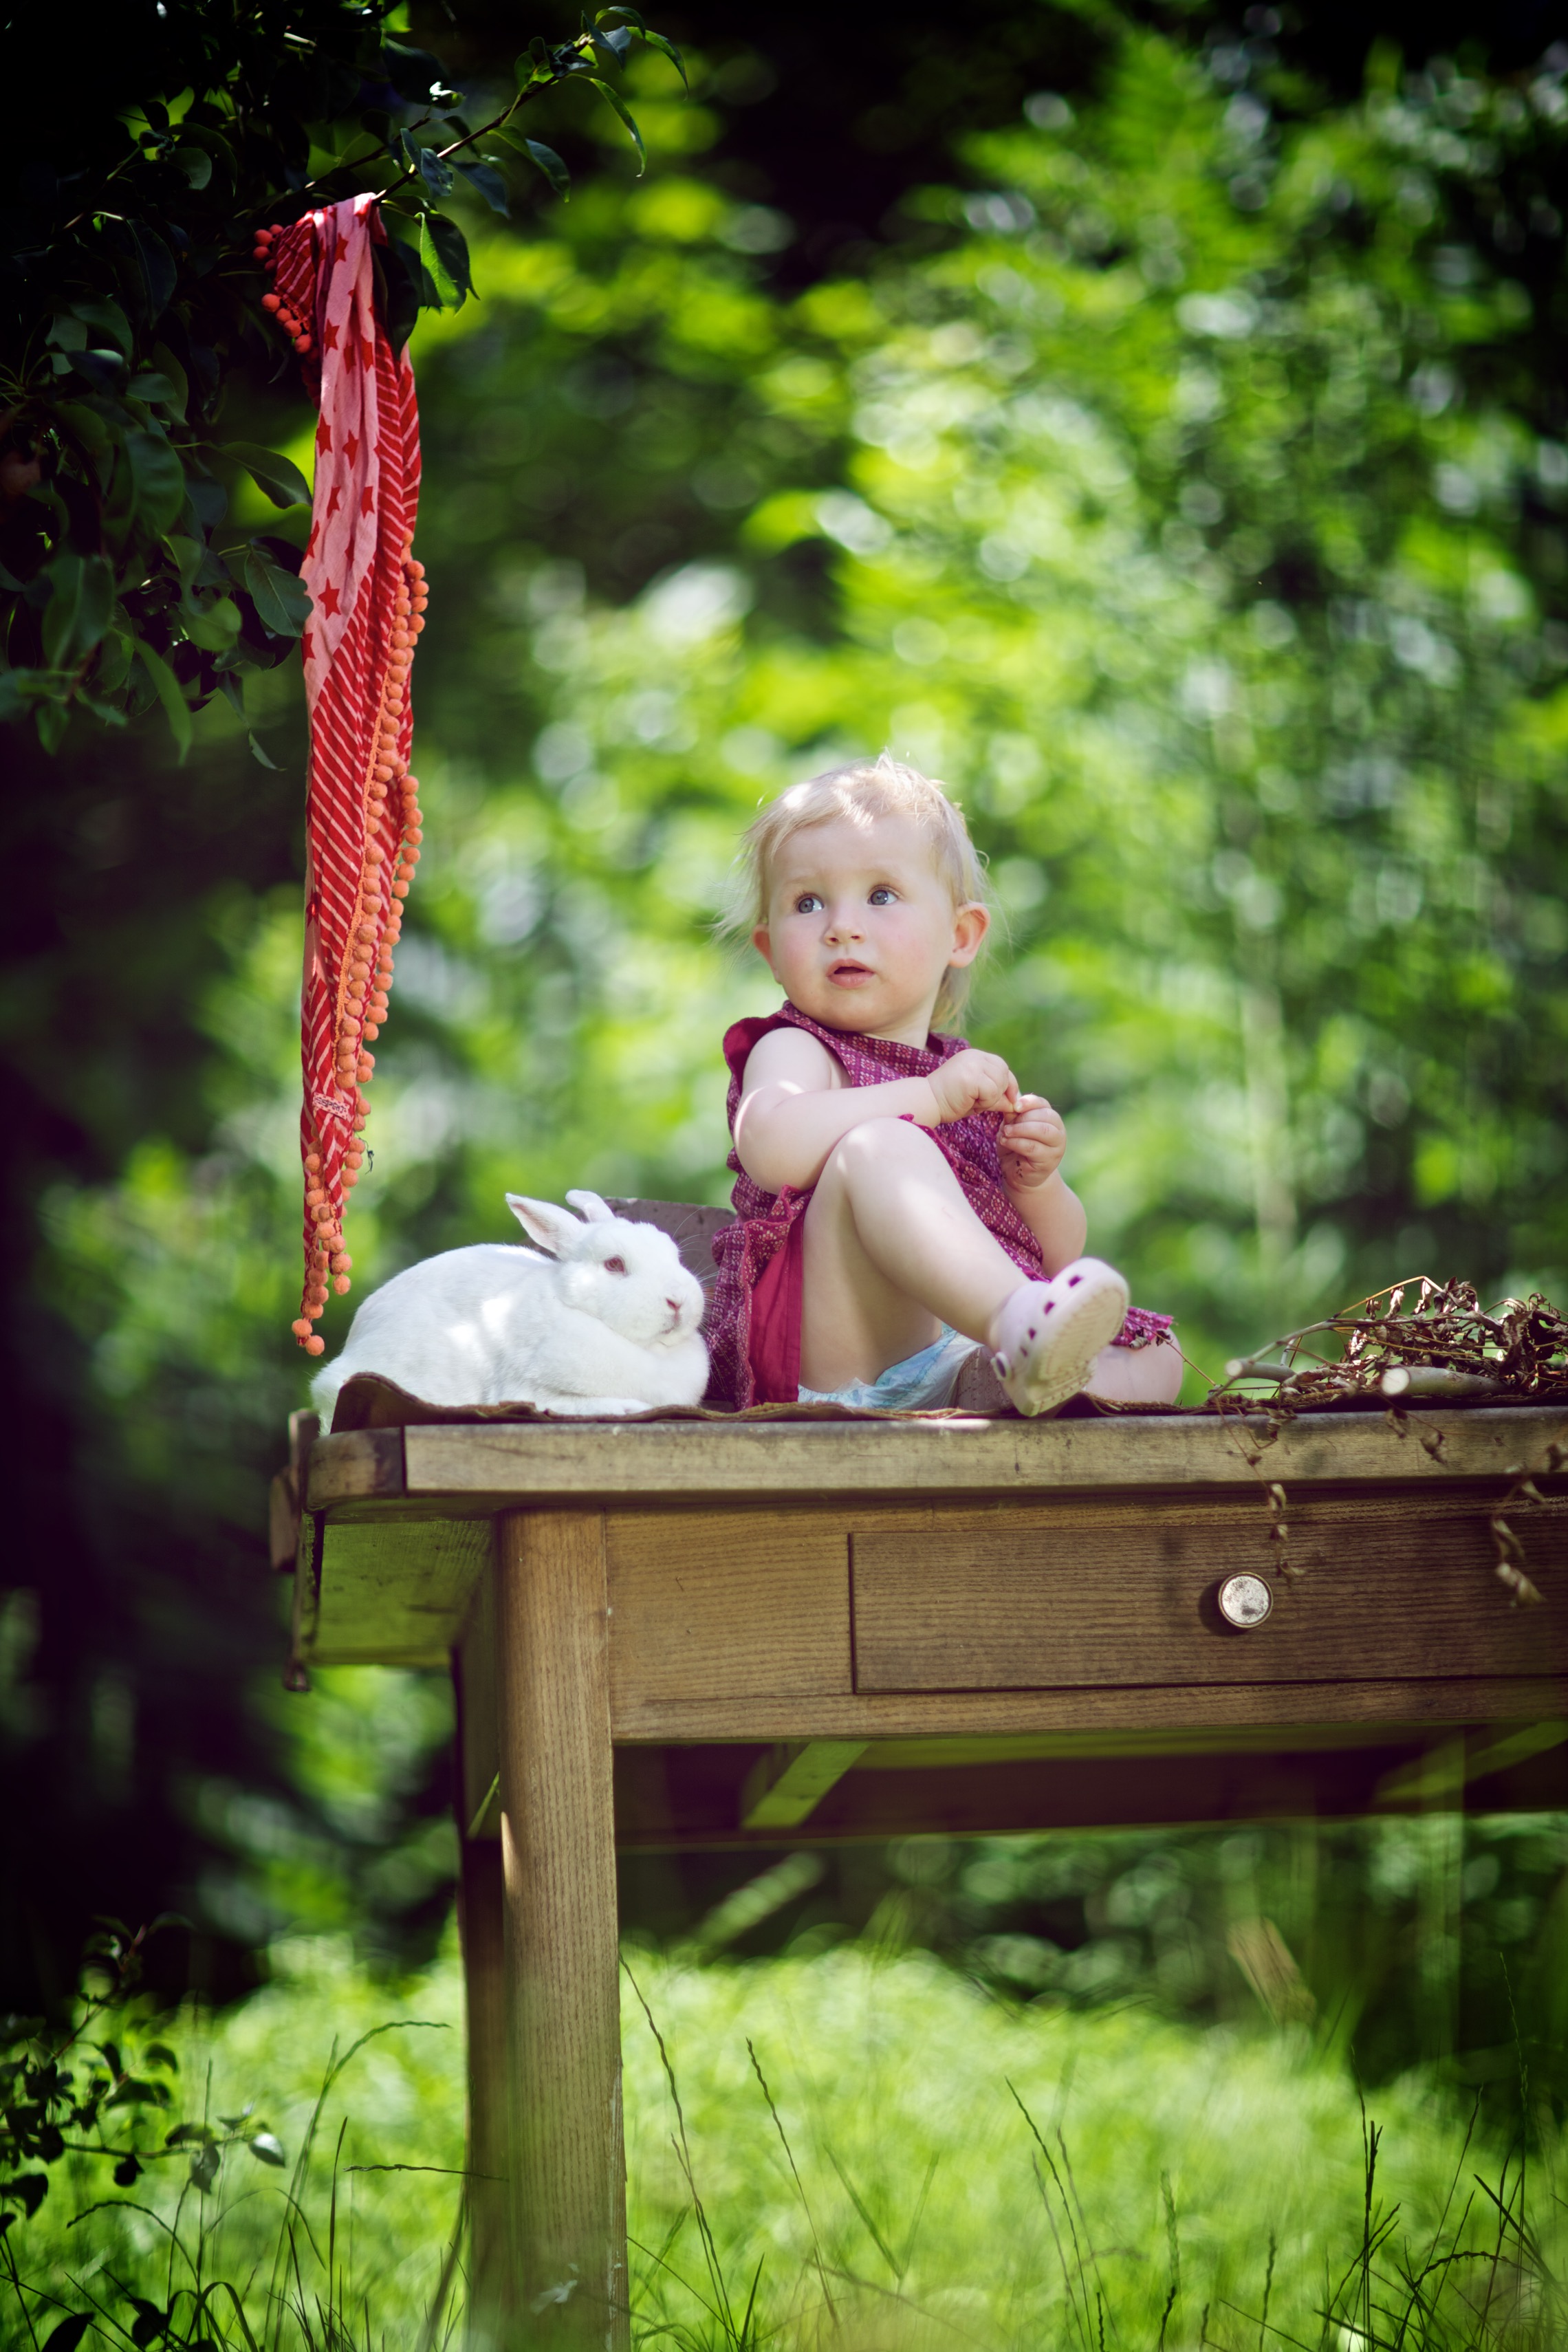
595,1211
543,1222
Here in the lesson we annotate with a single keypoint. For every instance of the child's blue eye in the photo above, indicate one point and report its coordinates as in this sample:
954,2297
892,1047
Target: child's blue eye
808,903
883,896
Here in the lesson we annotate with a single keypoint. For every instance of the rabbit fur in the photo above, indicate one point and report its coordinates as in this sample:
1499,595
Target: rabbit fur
496,1323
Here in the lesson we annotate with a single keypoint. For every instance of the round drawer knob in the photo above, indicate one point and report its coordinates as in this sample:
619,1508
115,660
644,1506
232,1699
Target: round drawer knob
1245,1602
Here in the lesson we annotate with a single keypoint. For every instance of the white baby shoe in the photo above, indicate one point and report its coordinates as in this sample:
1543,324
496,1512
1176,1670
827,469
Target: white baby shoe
1050,1333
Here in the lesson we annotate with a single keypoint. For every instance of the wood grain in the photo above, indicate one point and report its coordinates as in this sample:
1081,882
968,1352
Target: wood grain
715,1604
480,1921
474,1673
568,2169
785,1786
691,1798
516,1462
362,1462
394,1595
1031,1597
1268,1709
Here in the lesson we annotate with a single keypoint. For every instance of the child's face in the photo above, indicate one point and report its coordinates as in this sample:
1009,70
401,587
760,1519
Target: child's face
861,927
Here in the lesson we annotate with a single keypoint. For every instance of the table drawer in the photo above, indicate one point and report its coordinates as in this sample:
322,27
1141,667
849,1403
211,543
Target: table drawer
1383,1590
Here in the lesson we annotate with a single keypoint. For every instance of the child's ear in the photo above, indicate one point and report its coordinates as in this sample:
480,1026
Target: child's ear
762,940
969,924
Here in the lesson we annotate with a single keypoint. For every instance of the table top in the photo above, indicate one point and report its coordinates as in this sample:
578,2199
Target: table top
474,1470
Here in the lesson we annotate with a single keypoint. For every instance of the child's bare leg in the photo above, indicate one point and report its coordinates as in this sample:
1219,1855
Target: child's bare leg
892,1249
1150,1375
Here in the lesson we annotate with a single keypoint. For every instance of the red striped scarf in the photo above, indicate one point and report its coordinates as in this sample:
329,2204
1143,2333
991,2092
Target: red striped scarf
362,812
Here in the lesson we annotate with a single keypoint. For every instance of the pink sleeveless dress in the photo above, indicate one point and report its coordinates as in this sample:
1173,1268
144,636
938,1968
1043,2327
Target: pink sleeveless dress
753,1315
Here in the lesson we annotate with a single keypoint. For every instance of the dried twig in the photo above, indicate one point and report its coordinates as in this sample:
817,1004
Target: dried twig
1442,1346
1510,1569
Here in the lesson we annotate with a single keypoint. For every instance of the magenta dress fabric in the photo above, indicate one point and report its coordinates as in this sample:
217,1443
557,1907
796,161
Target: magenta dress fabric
753,1315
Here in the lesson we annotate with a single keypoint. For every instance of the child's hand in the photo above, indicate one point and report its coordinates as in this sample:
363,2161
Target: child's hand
1032,1142
972,1081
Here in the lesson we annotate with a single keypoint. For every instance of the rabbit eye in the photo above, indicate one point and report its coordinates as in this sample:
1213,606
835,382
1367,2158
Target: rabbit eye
615,1265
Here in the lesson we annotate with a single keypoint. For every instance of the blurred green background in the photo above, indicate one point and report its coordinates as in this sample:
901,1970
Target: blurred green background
1153,426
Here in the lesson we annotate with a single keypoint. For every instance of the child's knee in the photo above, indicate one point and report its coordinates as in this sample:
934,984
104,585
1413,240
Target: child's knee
871,1145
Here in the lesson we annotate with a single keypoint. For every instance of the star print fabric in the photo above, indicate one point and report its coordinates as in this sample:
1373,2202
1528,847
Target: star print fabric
357,652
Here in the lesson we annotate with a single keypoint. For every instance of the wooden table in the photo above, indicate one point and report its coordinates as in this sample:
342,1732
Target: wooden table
686,1633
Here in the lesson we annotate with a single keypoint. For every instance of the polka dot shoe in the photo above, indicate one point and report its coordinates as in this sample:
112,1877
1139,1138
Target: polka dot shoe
1050,1333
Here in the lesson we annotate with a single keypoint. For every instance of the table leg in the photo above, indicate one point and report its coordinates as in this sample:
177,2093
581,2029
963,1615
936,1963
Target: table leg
480,1914
562,1989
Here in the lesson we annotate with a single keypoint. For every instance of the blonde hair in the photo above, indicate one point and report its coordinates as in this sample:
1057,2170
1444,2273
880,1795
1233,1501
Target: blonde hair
862,792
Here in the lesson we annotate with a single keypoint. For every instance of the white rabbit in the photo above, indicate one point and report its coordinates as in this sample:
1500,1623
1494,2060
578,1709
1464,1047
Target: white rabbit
606,1324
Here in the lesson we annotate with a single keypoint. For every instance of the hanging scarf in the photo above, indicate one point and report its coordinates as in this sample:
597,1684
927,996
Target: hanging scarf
363,827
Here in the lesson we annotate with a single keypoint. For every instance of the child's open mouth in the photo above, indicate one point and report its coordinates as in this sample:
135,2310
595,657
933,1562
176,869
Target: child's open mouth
851,975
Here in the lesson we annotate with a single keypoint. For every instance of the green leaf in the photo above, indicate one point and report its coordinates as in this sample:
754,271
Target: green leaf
100,709
452,247
131,2093
149,385
59,628
613,98
17,688
114,661
413,73
444,251
158,2053
550,164
278,476
79,609
97,602
177,710
215,144
155,266
127,2172
51,719
167,366
214,627
667,48
489,185
282,603
68,2334
436,174
108,321
611,57
401,280
196,166
88,429
158,477
258,754
266,2144
203,2167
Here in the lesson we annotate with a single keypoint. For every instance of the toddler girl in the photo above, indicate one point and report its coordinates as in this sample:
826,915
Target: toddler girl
898,1199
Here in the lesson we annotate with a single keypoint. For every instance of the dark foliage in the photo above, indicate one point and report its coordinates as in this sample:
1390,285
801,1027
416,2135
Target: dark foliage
133,297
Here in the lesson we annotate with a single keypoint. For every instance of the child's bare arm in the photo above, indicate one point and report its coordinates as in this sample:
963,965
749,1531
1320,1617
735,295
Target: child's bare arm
1032,1144
796,1106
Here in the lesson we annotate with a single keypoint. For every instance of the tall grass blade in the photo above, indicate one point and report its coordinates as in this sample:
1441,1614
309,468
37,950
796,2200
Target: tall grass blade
795,2176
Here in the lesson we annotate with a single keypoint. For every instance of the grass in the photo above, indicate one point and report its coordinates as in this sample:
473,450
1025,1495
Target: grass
867,2148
